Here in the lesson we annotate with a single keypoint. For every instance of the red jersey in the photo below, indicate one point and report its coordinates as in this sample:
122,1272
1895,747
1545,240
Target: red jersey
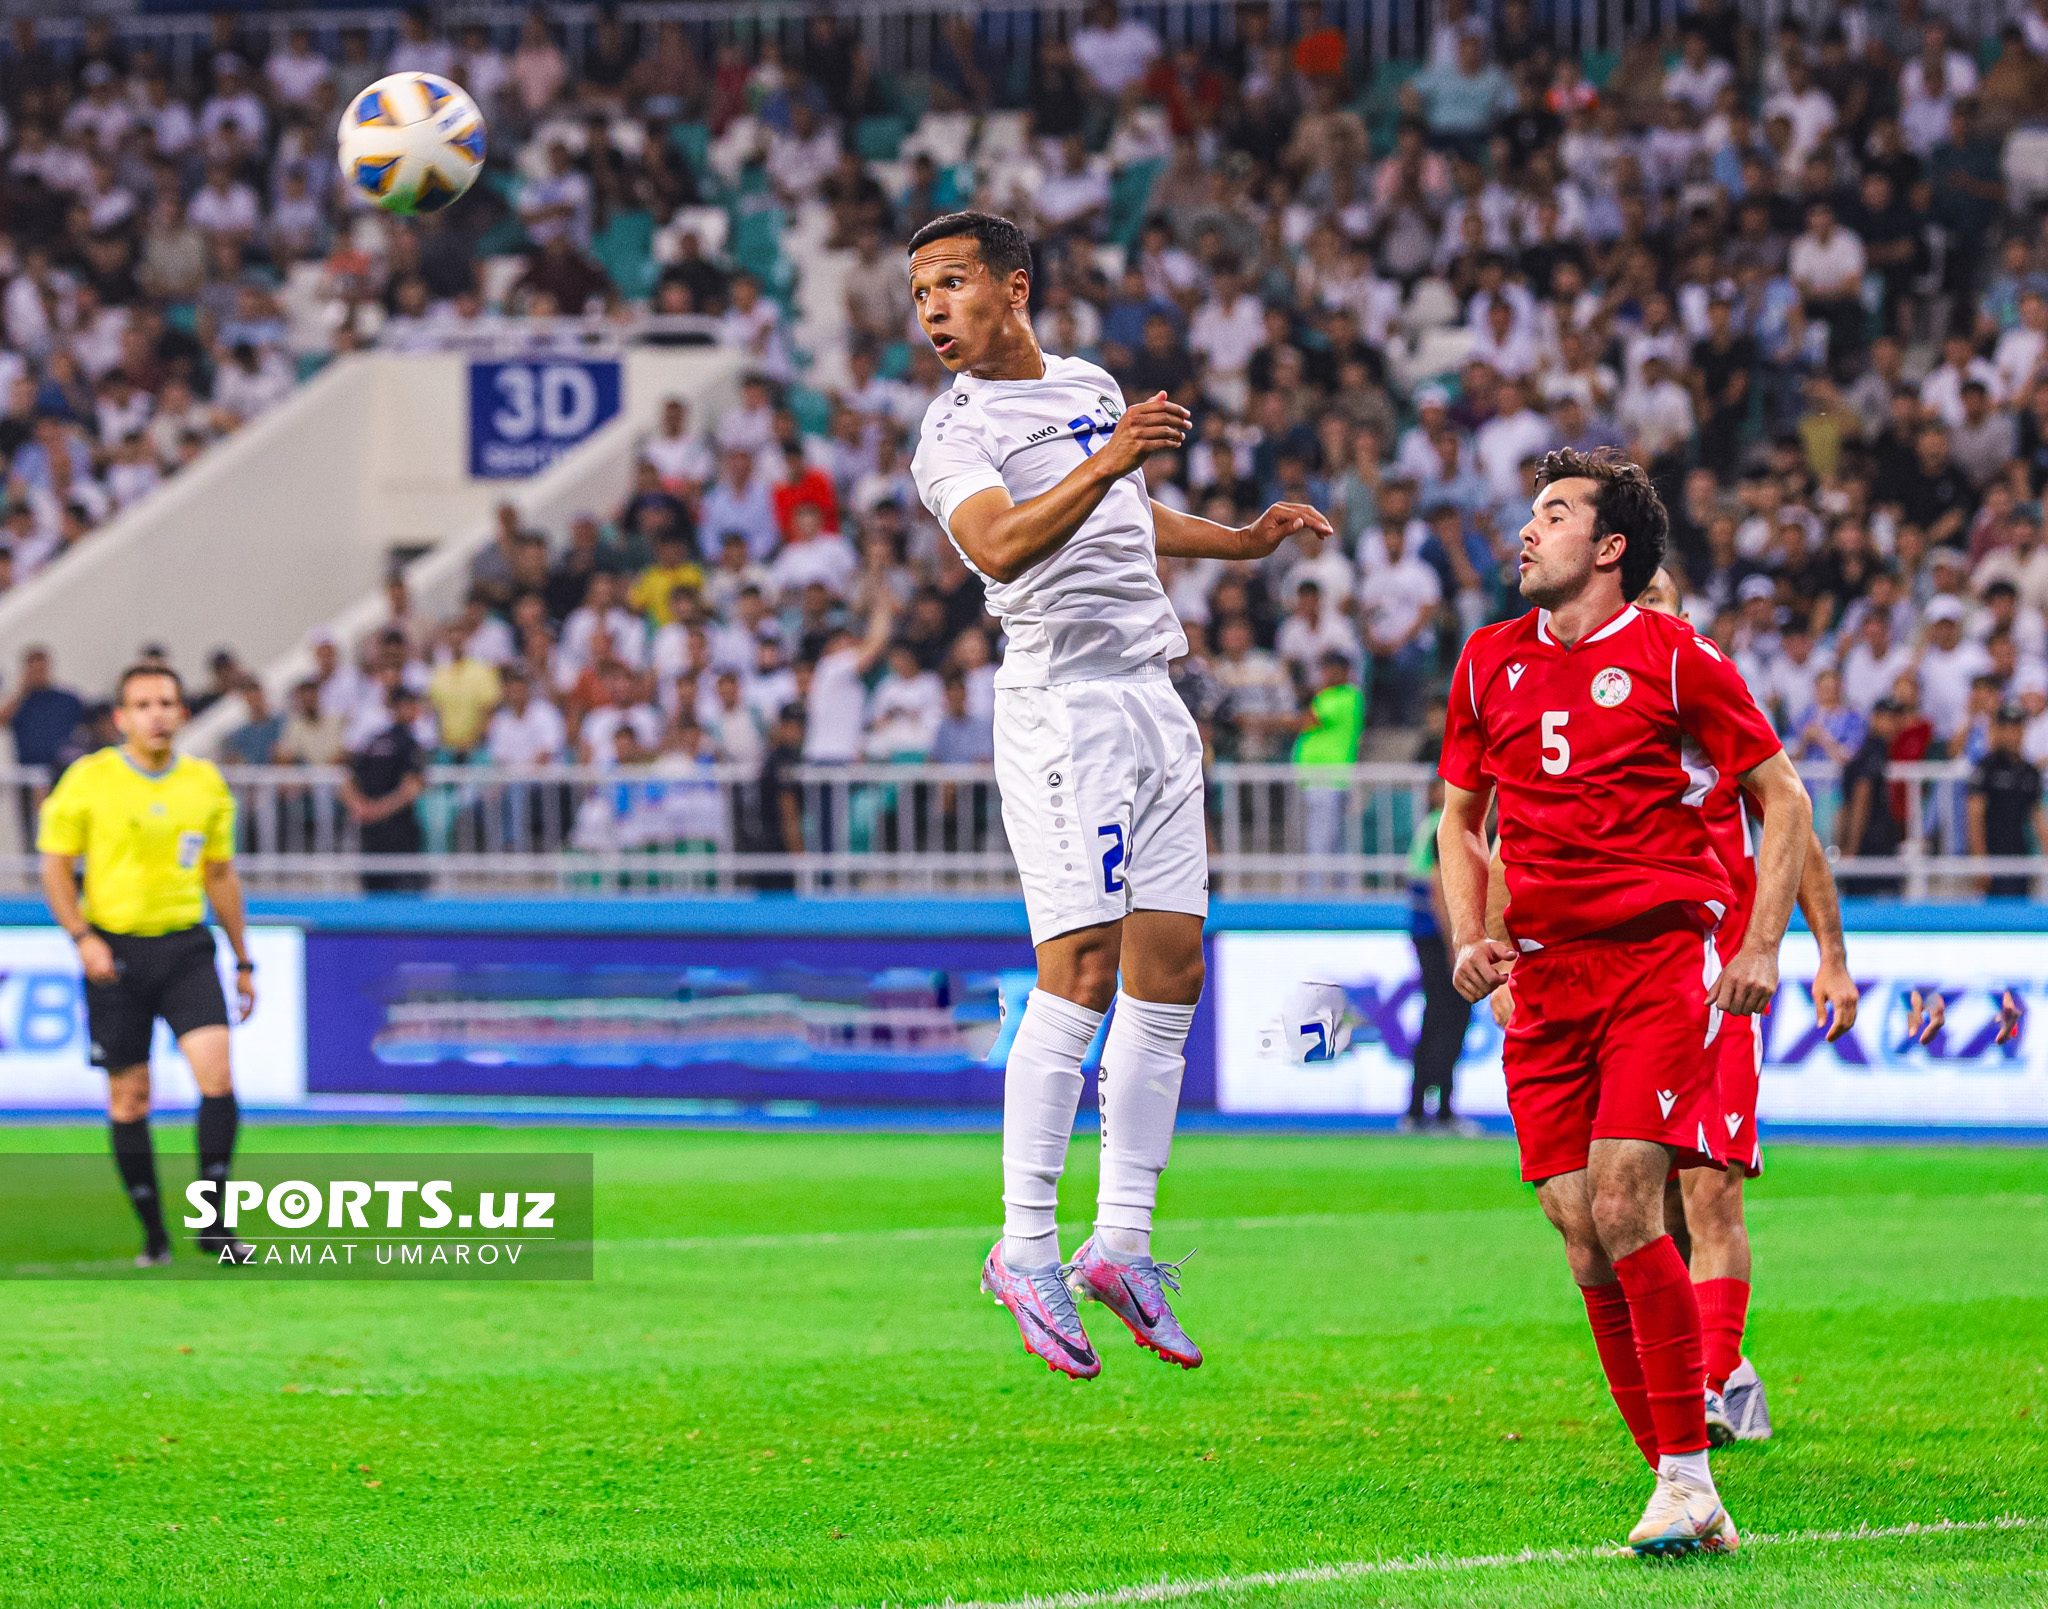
1727,816
1602,755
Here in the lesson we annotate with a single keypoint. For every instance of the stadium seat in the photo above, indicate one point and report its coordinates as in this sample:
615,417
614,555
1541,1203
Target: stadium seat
813,409
879,138
1380,105
693,142
1129,191
625,250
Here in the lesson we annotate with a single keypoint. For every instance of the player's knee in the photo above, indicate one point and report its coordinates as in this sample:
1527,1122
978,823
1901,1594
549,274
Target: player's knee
1620,1218
1091,982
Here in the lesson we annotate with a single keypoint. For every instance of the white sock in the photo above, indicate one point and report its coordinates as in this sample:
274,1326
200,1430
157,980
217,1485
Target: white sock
1041,1089
1142,1063
1689,1468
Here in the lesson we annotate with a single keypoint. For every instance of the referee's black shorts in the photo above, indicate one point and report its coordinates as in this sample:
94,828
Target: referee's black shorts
167,975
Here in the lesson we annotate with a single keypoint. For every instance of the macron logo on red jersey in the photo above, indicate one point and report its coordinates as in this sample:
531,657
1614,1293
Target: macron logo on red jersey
1515,675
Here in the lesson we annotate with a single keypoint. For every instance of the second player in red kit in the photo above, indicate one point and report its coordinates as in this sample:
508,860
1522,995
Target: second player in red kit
1600,728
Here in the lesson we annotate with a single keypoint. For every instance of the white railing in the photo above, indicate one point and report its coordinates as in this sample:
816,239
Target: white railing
568,335
1275,831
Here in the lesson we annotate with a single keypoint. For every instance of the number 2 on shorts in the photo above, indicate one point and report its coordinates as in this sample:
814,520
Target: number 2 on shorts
1112,857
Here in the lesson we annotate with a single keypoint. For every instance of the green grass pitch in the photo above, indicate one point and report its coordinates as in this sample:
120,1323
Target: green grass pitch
783,1389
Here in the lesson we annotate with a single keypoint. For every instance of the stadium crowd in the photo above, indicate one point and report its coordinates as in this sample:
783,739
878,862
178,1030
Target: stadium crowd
1788,272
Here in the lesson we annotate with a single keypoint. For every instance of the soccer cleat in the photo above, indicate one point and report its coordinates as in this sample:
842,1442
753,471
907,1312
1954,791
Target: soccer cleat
1719,1431
1045,1313
153,1257
1683,1519
1136,1293
1749,1415
214,1247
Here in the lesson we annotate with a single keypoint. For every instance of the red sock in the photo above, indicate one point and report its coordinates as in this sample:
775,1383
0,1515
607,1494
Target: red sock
1724,1307
1615,1340
1666,1320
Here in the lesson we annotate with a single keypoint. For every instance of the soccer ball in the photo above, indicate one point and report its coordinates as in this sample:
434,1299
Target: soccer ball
1314,1025
412,142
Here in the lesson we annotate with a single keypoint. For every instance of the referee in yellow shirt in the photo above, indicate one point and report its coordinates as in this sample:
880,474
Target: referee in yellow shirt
156,830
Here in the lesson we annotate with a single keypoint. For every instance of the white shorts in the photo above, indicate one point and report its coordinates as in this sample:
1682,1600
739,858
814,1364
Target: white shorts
1102,800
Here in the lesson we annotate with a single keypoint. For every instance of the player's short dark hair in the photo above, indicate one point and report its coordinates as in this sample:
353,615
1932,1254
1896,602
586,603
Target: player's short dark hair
1004,247
136,672
1624,501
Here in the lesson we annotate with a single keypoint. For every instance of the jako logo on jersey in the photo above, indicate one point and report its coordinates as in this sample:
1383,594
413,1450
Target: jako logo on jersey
1052,779
1666,1099
959,398
1611,686
1515,675
1040,435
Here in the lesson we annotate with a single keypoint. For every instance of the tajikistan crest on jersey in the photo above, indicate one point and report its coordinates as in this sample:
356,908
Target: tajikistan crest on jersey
1611,686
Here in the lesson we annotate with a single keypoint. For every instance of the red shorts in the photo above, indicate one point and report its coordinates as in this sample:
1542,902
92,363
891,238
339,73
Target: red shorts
1737,1055
1610,1041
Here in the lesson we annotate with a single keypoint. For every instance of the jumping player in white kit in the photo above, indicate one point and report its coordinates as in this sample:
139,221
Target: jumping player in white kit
1031,465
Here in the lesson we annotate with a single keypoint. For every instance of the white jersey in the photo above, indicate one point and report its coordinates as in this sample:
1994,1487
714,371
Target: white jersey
1096,607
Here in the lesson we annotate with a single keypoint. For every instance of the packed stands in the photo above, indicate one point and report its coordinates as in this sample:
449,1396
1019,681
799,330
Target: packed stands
1801,273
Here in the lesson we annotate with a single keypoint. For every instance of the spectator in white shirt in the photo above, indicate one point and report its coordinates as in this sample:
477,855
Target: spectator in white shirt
1805,105
232,117
1072,202
1949,662
1401,596
224,205
525,730
601,614
904,710
417,50
682,459
1113,52
1699,77
1311,631
2020,349
1827,264
297,71
1873,664
1227,329
812,554
1657,414
558,206
800,159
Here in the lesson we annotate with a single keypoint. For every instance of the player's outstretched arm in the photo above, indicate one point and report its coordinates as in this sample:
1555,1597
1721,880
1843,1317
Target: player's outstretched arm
1189,536
1750,978
1005,539
1481,964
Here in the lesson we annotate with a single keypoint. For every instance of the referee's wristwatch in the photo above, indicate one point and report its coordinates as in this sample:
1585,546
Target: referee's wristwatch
245,966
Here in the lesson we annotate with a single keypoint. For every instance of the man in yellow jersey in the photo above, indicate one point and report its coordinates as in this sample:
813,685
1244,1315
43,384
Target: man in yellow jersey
156,830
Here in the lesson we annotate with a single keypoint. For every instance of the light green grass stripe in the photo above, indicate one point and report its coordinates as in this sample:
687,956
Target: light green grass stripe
1301,1220
1174,1591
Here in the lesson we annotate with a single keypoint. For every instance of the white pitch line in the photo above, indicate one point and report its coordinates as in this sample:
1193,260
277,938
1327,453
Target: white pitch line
1173,1591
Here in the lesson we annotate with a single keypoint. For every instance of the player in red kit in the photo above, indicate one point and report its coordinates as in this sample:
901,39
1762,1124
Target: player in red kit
1599,729
1736,1409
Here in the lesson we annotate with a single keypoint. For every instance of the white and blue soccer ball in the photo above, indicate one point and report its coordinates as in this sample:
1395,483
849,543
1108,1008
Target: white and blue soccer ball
413,142
1314,1025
